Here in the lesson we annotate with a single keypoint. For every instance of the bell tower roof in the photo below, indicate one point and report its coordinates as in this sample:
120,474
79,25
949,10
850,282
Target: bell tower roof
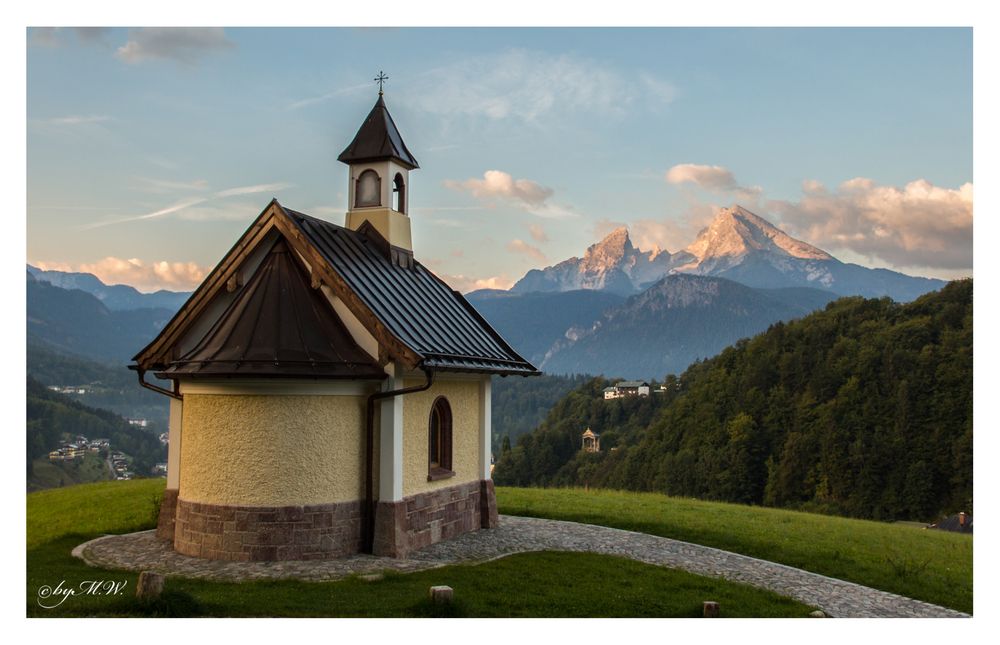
378,140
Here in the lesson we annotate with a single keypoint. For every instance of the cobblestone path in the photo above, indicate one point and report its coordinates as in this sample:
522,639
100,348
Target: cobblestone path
142,551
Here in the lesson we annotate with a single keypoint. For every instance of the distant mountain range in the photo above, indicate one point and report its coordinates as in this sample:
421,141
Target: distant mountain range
740,275
737,245
618,311
116,297
678,320
76,323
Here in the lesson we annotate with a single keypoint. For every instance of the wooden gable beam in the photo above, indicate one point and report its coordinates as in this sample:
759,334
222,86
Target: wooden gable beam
155,352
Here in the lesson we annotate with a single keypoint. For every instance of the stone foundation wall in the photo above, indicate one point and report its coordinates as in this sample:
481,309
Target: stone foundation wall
168,515
423,519
246,533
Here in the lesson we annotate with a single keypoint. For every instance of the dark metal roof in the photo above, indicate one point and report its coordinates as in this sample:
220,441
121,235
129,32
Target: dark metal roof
277,326
378,140
416,307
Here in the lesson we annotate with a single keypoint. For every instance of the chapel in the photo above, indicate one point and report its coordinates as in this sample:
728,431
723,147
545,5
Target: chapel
329,394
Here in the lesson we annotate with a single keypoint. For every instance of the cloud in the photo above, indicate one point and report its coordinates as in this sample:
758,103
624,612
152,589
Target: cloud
538,233
525,194
44,36
295,105
144,276
53,36
465,284
529,86
186,45
496,183
716,179
78,119
185,204
167,186
917,225
523,248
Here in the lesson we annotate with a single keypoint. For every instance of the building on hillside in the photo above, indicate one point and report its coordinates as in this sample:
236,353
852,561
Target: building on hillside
591,441
958,523
330,394
623,389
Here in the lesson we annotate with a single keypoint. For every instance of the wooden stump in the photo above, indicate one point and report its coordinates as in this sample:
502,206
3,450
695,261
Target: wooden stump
442,595
710,609
150,585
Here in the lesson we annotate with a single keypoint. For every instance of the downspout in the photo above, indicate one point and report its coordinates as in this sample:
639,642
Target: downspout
368,530
176,393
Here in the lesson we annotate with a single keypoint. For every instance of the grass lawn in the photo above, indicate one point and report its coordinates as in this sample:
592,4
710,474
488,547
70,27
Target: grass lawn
934,566
528,585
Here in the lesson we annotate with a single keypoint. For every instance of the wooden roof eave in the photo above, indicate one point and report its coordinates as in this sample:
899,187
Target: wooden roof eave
154,354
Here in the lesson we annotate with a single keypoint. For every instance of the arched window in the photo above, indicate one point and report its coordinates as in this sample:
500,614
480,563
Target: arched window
367,189
439,441
398,194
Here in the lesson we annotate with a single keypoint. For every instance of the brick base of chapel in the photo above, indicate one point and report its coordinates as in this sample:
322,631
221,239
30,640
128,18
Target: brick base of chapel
421,520
322,531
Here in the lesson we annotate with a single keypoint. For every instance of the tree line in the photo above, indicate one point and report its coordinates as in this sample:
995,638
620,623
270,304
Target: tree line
862,409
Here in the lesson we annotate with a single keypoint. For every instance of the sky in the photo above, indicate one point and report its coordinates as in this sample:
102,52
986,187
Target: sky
150,150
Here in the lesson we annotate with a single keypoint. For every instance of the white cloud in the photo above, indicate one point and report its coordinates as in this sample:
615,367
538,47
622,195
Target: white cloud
78,119
715,178
167,186
917,225
144,276
530,85
250,190
538,233
497,183
528,195
187,45
523,248
182,207
465,284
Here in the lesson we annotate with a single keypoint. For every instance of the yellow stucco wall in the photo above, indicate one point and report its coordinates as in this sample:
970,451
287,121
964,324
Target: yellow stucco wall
463,396
255,450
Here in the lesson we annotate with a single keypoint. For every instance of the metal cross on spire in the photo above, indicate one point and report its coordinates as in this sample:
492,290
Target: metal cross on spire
381,78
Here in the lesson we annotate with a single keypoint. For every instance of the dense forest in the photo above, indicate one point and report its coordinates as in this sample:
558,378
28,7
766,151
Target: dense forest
52,417
861,409
519,403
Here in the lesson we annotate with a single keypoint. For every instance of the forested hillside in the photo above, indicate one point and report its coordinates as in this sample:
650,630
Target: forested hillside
519,404
52,417
862,409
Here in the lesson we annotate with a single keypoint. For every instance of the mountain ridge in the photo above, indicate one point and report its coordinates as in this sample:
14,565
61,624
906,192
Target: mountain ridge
738,245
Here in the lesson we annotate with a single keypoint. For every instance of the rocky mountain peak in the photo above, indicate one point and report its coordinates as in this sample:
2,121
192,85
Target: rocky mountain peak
611,250
736,232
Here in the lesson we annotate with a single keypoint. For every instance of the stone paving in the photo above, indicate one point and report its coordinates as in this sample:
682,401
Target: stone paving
143,552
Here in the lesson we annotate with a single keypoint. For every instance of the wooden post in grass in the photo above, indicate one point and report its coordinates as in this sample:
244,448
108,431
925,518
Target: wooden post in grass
442,595
710,609
150,585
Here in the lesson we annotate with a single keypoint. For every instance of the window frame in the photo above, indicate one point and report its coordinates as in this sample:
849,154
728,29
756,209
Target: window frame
439,458
378,189
399,193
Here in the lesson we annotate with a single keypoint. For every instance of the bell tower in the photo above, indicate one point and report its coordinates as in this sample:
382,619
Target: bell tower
378,181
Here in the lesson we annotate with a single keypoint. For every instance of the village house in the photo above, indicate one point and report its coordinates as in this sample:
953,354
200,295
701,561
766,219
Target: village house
330,394
623,389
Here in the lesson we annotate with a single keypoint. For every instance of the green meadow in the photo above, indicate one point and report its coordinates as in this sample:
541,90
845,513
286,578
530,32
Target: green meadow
929,565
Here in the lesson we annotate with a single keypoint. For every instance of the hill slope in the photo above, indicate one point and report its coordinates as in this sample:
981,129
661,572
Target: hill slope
862,409
675,322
